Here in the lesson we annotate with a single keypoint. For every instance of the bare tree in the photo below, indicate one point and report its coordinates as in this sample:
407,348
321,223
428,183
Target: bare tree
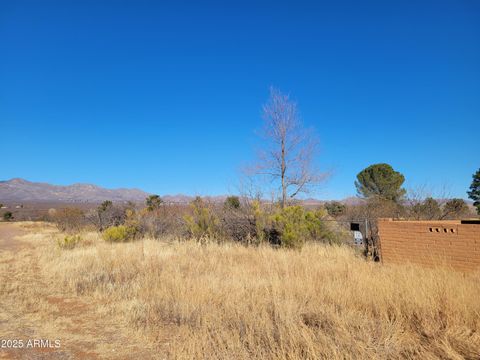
289,148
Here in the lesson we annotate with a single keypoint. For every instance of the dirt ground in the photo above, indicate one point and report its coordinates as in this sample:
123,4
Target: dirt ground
74,328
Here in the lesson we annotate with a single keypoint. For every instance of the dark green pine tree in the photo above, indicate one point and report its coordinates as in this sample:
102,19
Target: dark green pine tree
474,192
380,180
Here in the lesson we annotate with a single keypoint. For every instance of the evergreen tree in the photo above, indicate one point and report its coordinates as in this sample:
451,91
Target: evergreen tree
455,209
380,180
153,202
474,192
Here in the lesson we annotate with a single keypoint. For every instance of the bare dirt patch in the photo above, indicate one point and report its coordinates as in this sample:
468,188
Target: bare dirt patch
9,233
33,308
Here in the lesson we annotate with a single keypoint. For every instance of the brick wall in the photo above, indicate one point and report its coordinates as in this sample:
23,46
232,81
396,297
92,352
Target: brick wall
430,243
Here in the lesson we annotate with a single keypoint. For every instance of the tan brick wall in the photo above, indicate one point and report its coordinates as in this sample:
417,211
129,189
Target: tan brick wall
430,243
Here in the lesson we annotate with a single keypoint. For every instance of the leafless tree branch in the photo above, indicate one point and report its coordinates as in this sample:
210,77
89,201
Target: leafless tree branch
289,148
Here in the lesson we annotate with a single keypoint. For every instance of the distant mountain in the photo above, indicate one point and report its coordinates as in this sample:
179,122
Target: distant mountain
23,191
186,199
20,190
352,201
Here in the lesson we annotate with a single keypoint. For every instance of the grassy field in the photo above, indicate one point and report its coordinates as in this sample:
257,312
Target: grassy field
184,300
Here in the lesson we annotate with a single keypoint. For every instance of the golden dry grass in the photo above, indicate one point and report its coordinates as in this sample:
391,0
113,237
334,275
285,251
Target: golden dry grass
232,302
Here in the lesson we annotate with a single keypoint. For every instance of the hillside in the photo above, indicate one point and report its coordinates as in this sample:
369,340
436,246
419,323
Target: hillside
20,190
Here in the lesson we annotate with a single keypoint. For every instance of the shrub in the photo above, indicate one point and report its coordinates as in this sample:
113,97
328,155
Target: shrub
69,219
153,202
232,202
120,233
455,209
166,220
293,225
260,219
238,220
69,242
107,215
320,229
7,216
203,222
335,208
428,209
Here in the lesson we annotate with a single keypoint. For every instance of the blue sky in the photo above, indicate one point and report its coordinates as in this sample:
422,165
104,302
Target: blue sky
167,96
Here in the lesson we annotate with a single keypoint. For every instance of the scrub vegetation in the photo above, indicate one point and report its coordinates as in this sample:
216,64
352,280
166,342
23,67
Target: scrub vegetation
213,300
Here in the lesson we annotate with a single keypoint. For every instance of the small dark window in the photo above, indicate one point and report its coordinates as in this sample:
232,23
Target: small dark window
431,229
445,230
452,230
437,230
471,221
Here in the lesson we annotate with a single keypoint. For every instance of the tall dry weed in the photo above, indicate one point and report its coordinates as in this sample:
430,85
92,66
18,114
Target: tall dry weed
233,302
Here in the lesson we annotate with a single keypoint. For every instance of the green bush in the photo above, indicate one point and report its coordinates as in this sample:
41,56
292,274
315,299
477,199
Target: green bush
232,202
335,208
320,229
120,233
260,220
203,222
291,226
7,216
69,242
294,225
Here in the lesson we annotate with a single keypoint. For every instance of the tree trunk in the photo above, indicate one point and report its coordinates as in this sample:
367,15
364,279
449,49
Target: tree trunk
283,170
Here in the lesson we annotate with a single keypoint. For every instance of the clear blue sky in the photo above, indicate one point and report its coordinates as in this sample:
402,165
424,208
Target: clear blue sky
166,96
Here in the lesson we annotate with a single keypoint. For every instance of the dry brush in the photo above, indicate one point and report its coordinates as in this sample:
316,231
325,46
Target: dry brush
230,301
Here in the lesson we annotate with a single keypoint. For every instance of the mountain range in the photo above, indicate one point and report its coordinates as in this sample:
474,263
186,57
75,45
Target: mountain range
20,190
23,191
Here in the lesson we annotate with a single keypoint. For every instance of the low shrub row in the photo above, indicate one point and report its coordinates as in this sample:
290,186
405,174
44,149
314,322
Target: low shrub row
241,221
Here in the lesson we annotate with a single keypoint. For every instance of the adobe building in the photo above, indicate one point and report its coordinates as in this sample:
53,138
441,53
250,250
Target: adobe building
453,243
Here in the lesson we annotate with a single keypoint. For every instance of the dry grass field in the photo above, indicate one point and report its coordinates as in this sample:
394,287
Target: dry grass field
182,300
